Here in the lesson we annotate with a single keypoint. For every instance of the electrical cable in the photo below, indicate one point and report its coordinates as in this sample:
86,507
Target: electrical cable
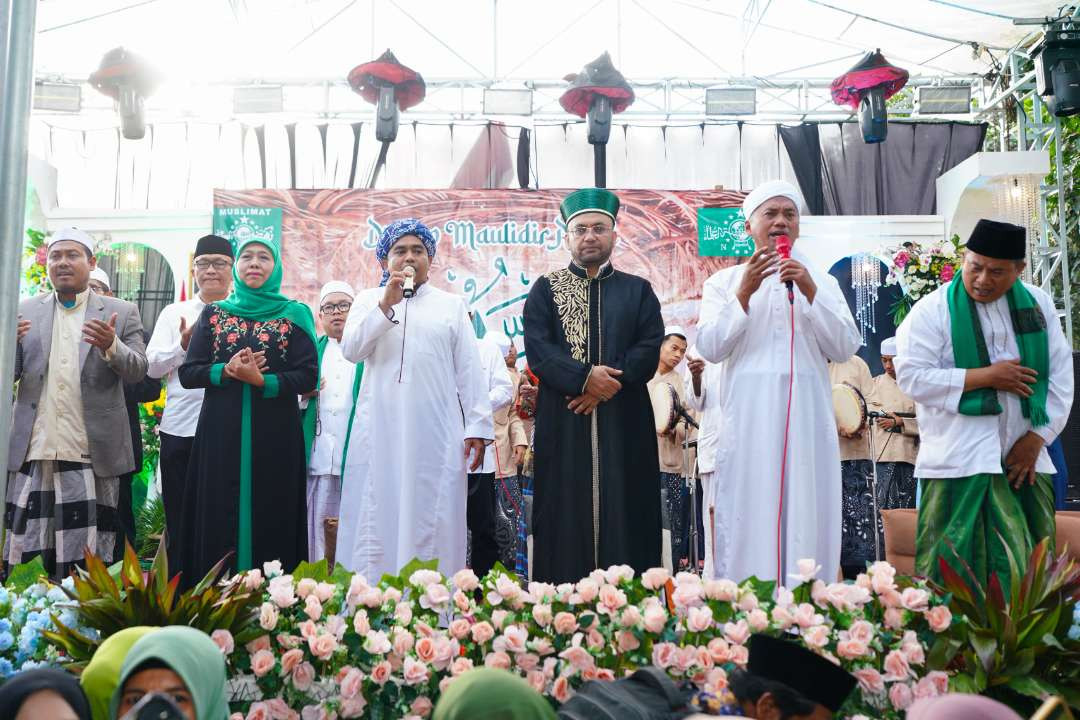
783,456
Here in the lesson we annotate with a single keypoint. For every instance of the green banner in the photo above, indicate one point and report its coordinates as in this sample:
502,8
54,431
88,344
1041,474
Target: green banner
722,233
237,224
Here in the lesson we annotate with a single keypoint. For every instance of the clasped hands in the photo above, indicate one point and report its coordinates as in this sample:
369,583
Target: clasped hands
247,366
600,387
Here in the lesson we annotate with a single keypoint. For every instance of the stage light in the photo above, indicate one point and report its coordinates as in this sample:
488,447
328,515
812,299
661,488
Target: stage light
1057,67
58,97
508,101
730,101
258,99
128,80
945,100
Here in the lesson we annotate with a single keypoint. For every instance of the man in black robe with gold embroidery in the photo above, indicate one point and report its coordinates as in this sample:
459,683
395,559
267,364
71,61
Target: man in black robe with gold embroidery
592,336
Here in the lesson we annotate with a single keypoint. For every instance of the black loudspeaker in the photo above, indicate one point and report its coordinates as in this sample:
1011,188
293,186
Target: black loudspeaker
1057,67
1070,444
599,117
873,115
1066,98
386,116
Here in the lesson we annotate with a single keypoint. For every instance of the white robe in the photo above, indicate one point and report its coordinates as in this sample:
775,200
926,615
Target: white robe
500,390
754,351
404,486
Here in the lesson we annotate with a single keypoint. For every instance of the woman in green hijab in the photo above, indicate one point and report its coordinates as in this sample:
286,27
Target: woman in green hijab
102,674
253,352
179,662
490,694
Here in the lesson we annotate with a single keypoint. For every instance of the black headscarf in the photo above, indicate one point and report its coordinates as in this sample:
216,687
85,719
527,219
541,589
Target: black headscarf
18,688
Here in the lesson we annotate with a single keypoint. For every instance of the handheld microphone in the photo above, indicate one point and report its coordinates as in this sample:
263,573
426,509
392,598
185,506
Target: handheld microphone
408,288
783,249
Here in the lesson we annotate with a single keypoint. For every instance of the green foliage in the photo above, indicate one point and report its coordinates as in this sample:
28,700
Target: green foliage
149,526
151,598
1014,646
26,574
35,275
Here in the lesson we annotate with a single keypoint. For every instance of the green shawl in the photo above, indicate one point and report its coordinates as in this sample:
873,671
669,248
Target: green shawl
193,656
102,674
310,416
259,304
969,349
490,694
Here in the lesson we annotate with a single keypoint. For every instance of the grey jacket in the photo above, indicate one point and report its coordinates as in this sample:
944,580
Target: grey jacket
104,411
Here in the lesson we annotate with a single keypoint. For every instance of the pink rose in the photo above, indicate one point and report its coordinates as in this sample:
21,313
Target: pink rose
282,595
262,662
377,643
578,657
900,696
323,646
896,666
894,618
862,631
507,588
461,665
807,615
279,709
664,655
851,649
619,573
303,676
939,618
747,601
424,630
414,672
423,578
611,599
685,657
459,628
889,598
268,616
403,642
498,617
258,711
466,580
704,657
515,637
605,675
260,643
740,655
595,640
352,707
940,681
312,607
497,660
915,599
352,683
630,617
541,592
381,672
360,623
290,660
462,601
588,589
537,680
541,613
627,641
655,578
870,680
288,641
947,273
527,661
324,591
403,614
757,619
561,689
738,632
305,587
655,618
224,640
425,649
542,646
816,636
701,619
925,688
914,652
421,706
445,651
806,570
782,616
901,259
722,590
687,594
565,623
253,579
435,597
335,625
308,629
482,632
719,650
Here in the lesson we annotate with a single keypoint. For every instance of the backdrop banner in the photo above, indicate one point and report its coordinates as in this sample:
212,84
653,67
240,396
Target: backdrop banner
493,244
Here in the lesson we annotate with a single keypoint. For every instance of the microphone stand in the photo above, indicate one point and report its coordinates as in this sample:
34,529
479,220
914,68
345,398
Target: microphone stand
871,415
690,476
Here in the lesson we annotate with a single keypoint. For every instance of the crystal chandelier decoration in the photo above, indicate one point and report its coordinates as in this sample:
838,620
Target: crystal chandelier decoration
865,281
1015,200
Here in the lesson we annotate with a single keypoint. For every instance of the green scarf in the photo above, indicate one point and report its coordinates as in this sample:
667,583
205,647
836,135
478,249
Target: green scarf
490,694
102,674
193,656
310,417
259,304
969,349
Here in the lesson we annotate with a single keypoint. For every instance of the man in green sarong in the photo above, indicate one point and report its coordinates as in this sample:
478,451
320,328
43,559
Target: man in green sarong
990,370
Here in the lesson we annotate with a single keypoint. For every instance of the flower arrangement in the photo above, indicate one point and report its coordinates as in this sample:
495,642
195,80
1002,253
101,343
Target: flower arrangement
921,269
340,645
149,421
35,274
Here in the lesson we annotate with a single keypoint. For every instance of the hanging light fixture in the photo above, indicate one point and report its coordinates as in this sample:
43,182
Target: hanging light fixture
129,80
865,88
865,281
597,93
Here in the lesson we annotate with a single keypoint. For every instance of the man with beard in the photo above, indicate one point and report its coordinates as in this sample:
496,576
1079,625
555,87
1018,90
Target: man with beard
592,336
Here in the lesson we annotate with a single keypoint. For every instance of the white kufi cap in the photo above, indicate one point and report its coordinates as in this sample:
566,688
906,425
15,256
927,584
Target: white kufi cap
101,276
74,234
675,330
336,286
768,190
888,347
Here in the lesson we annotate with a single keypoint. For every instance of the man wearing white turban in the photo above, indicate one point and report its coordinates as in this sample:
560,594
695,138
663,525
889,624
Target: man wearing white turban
328,415
777,449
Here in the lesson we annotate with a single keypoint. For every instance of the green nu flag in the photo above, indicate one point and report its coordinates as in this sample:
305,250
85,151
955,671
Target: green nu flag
722,233
239,224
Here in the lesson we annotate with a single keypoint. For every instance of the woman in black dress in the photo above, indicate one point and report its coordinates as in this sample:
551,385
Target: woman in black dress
253,352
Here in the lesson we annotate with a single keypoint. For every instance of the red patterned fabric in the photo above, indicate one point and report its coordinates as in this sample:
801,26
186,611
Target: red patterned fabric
871,71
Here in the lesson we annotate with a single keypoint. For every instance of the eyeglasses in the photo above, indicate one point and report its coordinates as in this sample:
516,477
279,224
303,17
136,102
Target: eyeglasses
599,230
331,308
216,264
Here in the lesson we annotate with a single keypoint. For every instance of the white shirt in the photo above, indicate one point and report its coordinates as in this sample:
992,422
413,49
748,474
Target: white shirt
335,406
500,390
164,355
707,404
955,445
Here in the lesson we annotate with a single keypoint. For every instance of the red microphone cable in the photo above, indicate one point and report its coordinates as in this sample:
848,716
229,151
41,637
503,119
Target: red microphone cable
783,248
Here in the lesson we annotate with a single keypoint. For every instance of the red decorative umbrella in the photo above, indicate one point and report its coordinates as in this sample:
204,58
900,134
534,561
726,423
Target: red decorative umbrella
386,71
123,68
598,78
870,72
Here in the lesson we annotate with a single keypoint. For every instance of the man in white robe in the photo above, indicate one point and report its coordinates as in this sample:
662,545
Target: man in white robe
703,382
746,321
422,413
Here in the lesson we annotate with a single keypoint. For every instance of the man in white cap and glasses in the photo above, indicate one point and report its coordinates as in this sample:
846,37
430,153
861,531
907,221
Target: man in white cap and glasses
328,415
70,439
778,448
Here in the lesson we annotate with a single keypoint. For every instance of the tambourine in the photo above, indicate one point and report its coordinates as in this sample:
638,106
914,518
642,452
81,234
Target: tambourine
849,405
664,401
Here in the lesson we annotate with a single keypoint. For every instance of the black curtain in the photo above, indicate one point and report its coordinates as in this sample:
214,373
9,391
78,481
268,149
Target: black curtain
888,295
896,177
